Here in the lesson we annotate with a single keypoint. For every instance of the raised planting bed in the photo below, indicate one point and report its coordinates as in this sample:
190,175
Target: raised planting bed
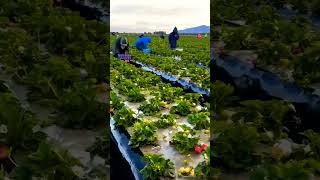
55,61
270,57
286,48
168,125
252,139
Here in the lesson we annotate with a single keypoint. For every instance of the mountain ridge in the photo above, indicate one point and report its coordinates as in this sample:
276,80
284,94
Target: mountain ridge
196,30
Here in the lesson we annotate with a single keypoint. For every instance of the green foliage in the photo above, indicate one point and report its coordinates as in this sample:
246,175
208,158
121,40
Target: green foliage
80,107
157,167
263,114
237,39
220,96
272,52
289,170
314,139
16,119
144,133
124,117
115,101
306,71
168,93
165,121
235,146
204,168
129,89
49,80
200,120
47,163
183,108
185,140
152,106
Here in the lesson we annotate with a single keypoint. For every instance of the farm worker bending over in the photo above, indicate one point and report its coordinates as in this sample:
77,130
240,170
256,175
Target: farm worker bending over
120,46
142,44
173,38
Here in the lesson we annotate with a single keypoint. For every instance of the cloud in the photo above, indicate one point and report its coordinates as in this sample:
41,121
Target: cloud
152,15
151,11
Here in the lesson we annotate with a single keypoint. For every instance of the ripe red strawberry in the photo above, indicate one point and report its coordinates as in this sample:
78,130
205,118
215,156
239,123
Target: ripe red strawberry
197,149
203,146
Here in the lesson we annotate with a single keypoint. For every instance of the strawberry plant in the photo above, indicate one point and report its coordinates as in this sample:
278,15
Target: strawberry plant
168,93
129,89
184,140
152,107
124,117
314,139
166,120
199,120
48,163
183,108
220,96
115,101
16,119
289,170
203,169
81,98
144,133
157,166
306,71
235,146
268,114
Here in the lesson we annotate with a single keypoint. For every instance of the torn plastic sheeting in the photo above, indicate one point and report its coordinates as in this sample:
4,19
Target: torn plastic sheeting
288,14
134,159
88,9
183,83
268,83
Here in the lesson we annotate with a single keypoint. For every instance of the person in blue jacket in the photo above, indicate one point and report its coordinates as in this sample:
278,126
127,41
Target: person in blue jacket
142,44
173,38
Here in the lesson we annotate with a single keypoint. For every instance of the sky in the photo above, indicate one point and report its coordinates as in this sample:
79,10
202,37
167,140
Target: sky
157,15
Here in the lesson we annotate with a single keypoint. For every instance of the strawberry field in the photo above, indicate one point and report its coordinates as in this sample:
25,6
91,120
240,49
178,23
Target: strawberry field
167,124
52,93
266,99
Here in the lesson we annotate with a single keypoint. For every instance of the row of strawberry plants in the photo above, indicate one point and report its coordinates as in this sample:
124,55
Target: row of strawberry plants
288,49
251,139
47,57
194,50
183,68
145,126
235,9
41,159
60,57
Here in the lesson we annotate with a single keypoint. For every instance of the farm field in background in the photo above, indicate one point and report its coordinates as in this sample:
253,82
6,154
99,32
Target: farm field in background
169,126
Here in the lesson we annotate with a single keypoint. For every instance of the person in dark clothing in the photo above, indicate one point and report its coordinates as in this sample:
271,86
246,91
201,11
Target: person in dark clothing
162,36
173,38
120,46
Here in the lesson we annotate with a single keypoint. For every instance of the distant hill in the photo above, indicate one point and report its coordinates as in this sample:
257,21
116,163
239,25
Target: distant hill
196,30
